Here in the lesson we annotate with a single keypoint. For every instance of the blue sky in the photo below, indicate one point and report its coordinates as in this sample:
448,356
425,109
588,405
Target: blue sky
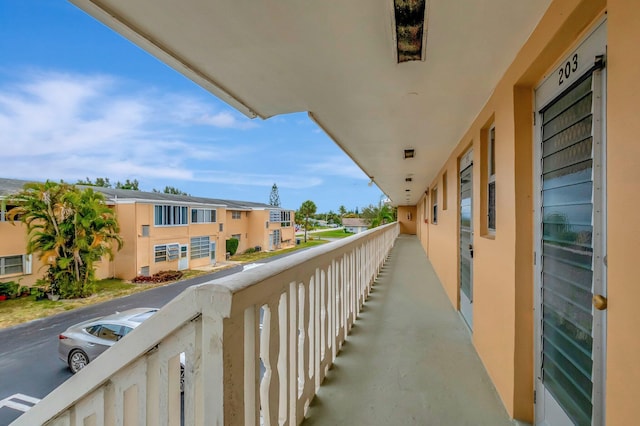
77,100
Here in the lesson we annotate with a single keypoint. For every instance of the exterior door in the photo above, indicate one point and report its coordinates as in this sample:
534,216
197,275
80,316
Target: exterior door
183,263
466,238
213,253
570,250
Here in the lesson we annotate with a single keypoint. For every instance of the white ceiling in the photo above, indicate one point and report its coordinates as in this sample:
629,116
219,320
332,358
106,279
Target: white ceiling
336,59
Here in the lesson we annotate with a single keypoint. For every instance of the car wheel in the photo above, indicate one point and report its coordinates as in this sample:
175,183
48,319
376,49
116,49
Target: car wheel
77,360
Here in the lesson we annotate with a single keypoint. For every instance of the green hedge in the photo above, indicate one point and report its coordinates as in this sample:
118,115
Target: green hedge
232,246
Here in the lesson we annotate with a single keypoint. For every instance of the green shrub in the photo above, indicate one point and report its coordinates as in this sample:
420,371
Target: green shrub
9,289
232,246
250,250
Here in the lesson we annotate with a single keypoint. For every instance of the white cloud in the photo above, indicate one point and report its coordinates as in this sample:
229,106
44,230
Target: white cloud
256,179
225,120
68,126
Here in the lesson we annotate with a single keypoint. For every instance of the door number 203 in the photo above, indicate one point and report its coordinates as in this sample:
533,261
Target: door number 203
569,68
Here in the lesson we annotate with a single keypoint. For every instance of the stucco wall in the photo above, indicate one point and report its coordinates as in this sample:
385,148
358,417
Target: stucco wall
407,217
623,175
503,331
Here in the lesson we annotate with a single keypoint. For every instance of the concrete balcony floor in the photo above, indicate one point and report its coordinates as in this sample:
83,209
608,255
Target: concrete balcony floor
409,358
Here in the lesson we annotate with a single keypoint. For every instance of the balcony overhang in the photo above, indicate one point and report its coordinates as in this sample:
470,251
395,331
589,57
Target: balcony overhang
339,61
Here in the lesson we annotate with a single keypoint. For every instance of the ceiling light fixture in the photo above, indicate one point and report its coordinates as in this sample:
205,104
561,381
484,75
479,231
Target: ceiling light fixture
410,18
370,181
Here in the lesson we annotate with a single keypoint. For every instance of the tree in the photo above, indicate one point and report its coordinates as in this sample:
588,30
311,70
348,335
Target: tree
274,198
342,210
101,182
378,215
70,229
171,190
128,184
307,209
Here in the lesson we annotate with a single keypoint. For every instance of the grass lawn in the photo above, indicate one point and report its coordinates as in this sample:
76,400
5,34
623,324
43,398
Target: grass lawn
23,309
252,257
334,233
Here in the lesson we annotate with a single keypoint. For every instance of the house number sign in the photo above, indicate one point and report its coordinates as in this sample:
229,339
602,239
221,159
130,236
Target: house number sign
570,67
574,65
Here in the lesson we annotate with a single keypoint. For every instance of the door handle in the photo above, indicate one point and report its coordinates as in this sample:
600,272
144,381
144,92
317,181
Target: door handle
471,250
599,302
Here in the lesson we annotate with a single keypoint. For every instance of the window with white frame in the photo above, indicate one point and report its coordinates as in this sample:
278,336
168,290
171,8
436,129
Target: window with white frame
166,252
199,247
274,215
4,211
491,180
203,215
165,215
237,236
282,216
19,264
236,215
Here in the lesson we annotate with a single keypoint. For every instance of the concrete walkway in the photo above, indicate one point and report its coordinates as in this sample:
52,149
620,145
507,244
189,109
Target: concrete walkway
409,358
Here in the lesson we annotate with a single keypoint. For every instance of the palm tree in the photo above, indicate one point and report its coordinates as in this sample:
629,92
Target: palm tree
308,208
69,229
378,215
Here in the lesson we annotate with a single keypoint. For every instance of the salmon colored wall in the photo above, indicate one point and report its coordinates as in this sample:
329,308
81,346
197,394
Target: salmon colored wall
407,217
623,176
238,226
126,261
13,242
503,268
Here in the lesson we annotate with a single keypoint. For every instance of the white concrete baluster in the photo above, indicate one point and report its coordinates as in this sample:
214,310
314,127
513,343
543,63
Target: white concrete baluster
251,337
283,359
294,341
302,337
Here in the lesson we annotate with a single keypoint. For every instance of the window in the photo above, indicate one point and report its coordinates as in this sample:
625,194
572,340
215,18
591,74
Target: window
4,210
145,230
203,215
274,215
282,216
236,236
285,218
434,205
444,191
276,238
221,227
199,247
109,331
13,265
170,215
425,209
166,252
491,180
236,215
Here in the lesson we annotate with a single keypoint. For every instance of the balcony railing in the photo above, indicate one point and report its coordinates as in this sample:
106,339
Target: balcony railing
253,347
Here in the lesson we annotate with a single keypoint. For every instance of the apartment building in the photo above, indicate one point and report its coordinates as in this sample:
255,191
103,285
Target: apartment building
504,131
160,232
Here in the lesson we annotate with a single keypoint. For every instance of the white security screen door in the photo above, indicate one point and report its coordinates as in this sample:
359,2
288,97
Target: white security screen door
183,263
466,238
570,258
